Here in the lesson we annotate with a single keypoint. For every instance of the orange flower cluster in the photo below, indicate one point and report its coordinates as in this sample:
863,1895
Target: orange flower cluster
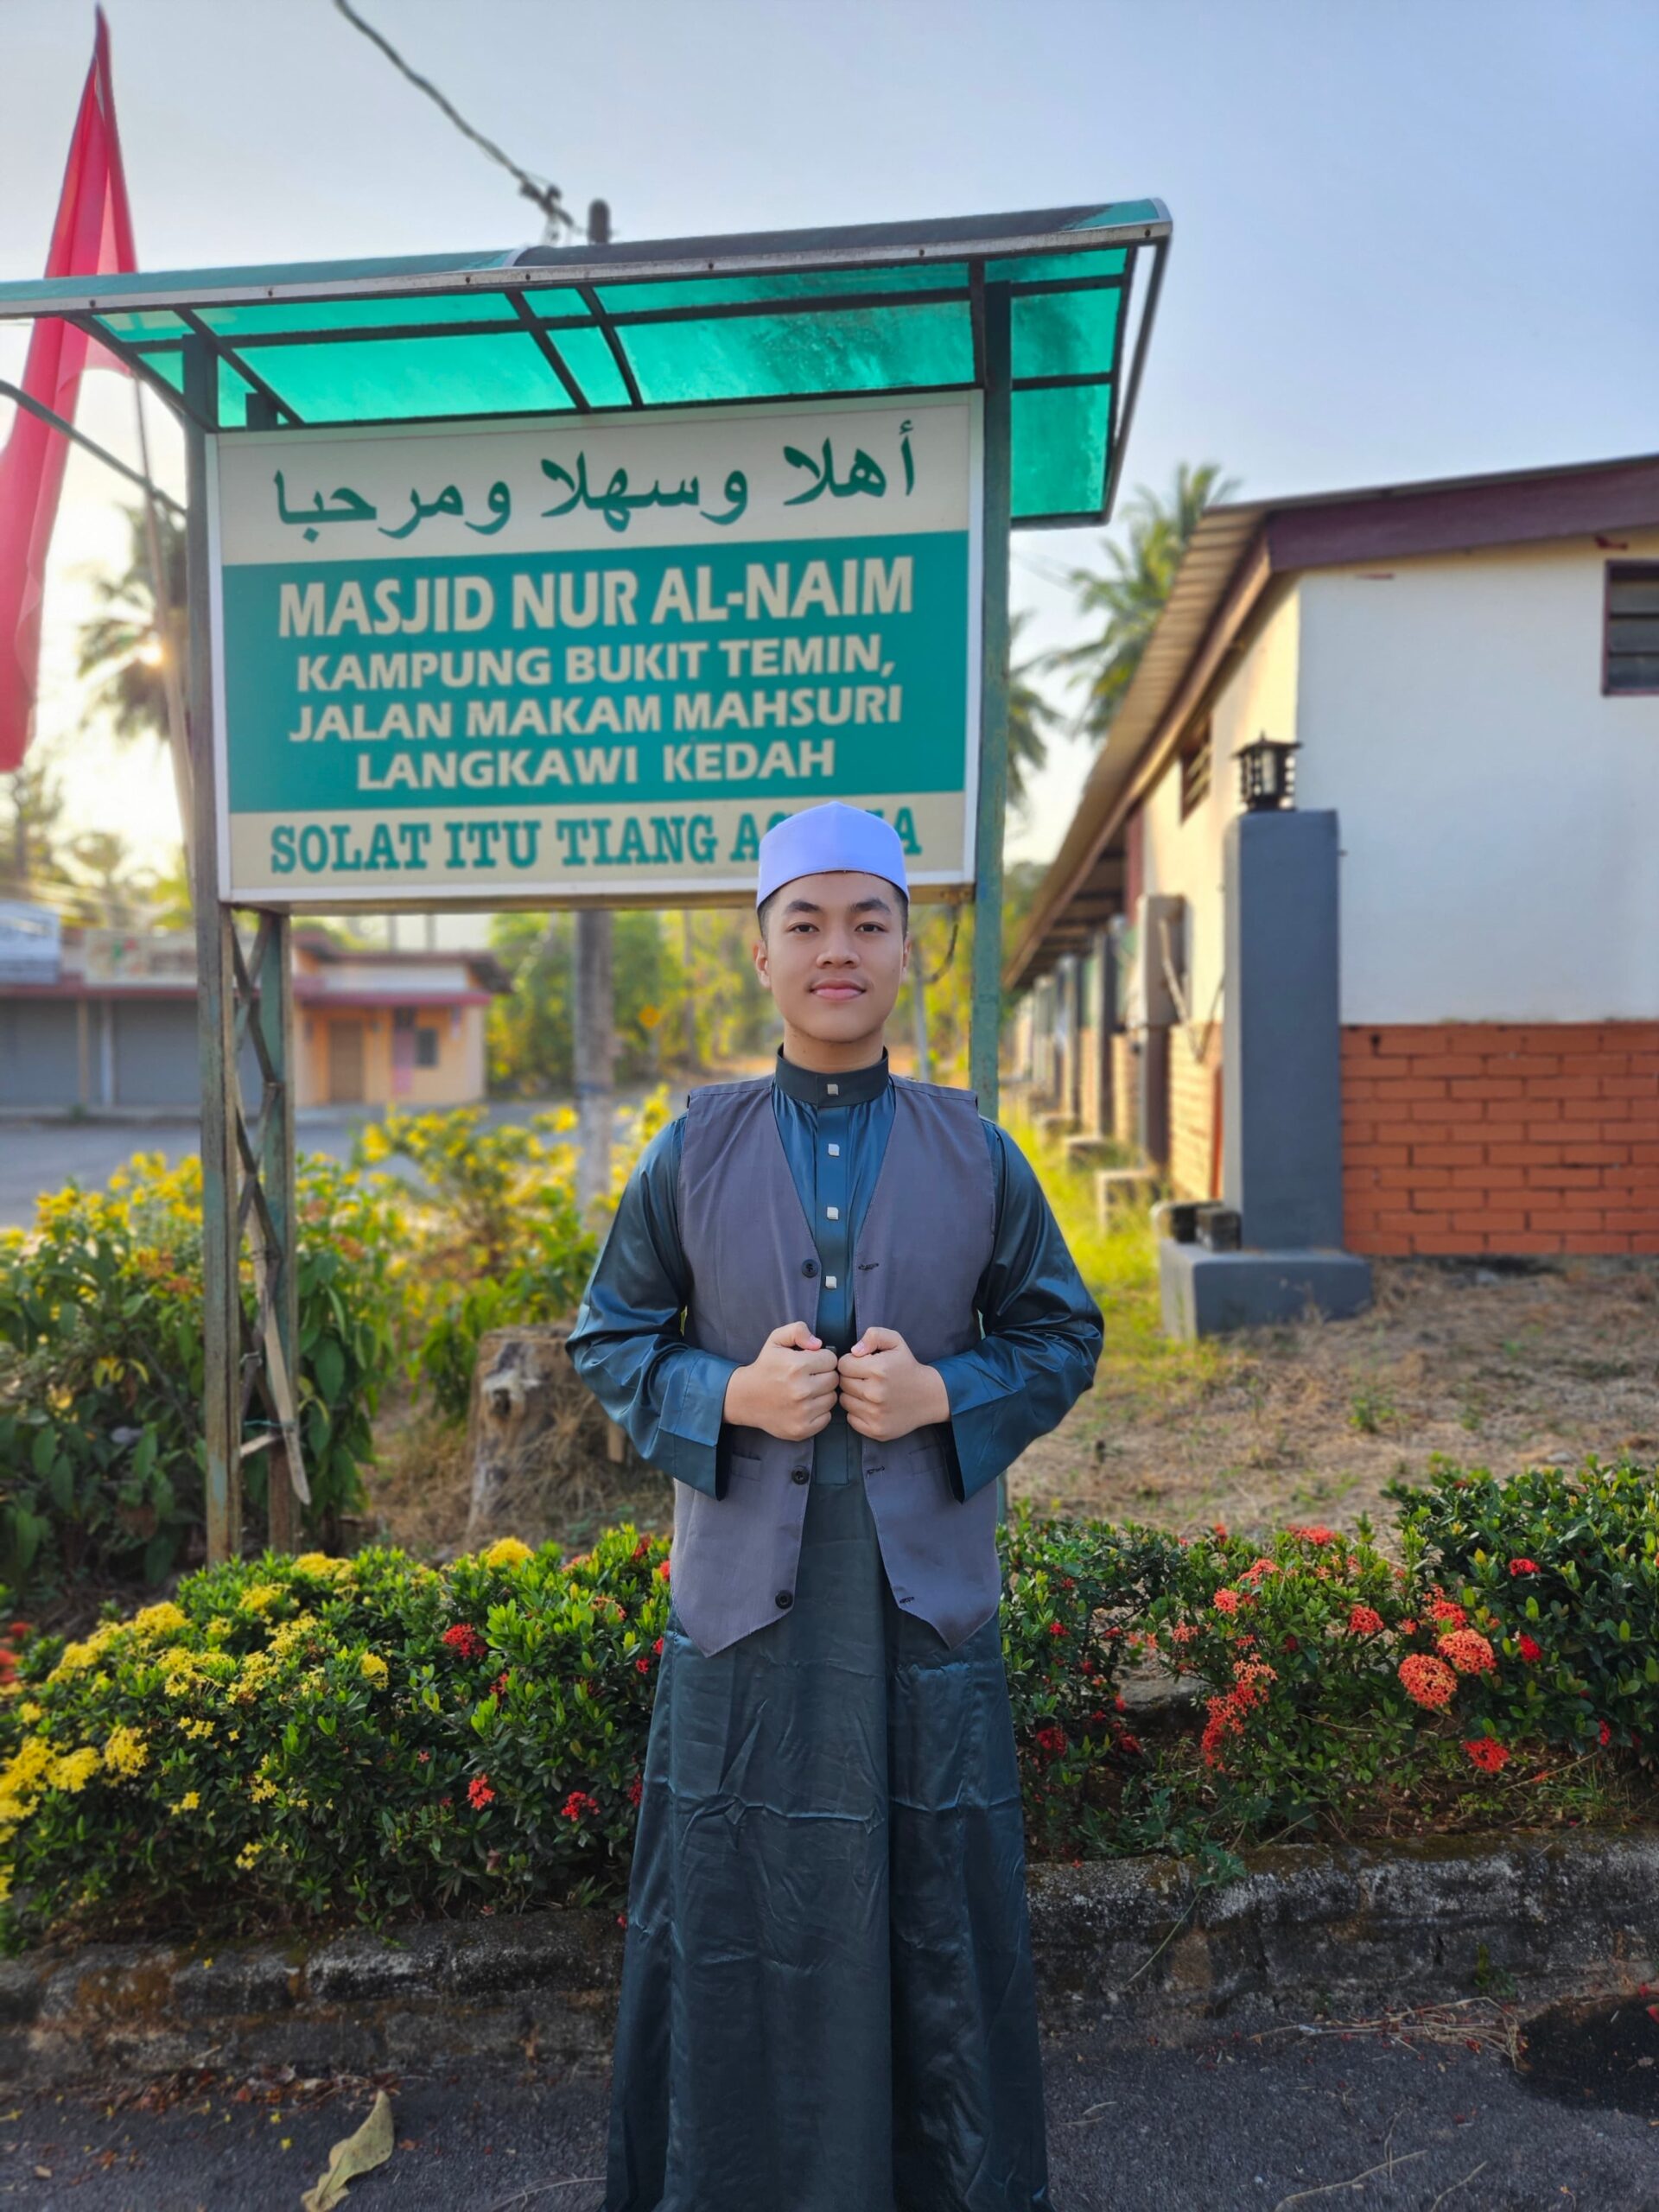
1468,1651
1227,1713
1225,1601
1365,1620
1427,1682
1488,1754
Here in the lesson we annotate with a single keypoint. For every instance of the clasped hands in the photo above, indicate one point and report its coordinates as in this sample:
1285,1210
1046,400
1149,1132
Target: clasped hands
794,1385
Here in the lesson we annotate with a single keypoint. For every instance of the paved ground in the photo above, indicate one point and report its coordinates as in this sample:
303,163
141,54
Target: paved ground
1286,2123
36,1156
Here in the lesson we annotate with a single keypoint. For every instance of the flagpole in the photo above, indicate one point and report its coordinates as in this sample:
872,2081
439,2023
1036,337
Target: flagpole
177,731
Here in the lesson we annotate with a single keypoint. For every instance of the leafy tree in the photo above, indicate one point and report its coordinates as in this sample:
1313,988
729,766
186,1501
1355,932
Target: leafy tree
1030,718
119,646
1122,601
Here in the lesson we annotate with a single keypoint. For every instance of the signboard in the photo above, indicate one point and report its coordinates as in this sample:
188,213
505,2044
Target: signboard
162,960
30,943
592,657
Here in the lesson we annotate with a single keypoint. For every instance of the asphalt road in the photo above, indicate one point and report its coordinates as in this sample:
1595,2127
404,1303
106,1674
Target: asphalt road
1289,2122
36,1156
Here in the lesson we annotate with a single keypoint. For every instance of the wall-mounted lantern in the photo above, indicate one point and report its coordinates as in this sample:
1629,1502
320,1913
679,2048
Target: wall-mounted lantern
1266,777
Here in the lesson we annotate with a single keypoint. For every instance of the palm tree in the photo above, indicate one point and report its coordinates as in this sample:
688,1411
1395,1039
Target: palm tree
1030,718
120,647
1126,597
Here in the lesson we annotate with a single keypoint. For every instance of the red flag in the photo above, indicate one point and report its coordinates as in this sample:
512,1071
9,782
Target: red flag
92,236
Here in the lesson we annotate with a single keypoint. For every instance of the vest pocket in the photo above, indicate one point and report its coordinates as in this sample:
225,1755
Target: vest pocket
746,1467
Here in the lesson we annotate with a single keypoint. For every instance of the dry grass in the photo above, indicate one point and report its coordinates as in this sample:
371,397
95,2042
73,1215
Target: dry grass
1493,1367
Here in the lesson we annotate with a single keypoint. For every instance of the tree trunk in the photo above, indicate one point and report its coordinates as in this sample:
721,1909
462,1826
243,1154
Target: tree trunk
533,1425
918,1017
687,954
593,1020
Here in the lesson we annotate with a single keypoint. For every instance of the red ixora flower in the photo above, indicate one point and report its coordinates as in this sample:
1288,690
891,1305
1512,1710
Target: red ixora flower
1488,1754
1448,1614
1607,1735
636,1791
498,1686
1529,1648
642,1666
577,1803
1225,1601
1313,1532
1427,1682
642,1547
1468,1652
479,1792
1056,1628
464,1639
661,1572
1053,1739
1365,1620
17,1628
1523,1567
657,1647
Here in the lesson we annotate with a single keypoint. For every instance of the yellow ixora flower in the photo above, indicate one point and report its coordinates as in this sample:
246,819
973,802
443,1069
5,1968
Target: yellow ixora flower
248,1854
74,1770
260,1596
125,1751
372,1668
189,1802
165,1619
195,1727
507,1551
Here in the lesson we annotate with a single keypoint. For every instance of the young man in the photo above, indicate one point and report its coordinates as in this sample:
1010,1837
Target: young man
833,1306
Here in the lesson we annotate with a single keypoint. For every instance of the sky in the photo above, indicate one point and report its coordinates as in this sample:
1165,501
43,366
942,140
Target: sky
1410,240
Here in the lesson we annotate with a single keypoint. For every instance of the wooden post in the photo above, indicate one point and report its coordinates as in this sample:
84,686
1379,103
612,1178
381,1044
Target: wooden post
220,1296
997,509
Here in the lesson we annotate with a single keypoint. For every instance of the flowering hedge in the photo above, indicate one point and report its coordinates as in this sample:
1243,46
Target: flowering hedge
101,1447
291,1738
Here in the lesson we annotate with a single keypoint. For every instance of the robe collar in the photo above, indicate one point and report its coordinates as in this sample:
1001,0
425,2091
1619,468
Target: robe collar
851,1087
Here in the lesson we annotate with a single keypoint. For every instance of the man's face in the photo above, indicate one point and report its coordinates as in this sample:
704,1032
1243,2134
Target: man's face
835,953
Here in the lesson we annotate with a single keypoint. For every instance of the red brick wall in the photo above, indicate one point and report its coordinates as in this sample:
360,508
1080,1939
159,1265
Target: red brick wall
1500,1137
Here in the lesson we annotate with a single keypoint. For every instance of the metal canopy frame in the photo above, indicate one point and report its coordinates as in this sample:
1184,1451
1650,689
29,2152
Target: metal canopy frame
207,343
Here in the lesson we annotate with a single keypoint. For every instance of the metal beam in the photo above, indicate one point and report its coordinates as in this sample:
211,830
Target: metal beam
220,1291
986,1021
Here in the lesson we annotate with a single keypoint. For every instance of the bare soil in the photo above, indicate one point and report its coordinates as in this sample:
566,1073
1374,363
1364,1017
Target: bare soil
1495,1369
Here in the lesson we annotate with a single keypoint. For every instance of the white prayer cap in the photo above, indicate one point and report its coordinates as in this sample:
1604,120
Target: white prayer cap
830,835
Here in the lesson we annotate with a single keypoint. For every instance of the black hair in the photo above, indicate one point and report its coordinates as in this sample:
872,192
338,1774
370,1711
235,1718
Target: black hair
767,903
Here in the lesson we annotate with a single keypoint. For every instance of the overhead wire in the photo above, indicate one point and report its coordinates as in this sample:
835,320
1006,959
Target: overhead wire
543,195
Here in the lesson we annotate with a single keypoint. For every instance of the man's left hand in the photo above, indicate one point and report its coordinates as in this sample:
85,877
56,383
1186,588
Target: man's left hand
884,1389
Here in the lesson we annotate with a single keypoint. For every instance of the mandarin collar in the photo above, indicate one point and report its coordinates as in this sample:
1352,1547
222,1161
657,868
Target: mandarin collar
849,1087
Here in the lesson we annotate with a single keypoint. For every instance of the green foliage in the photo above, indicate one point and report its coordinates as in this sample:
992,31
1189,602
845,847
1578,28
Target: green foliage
296,1737
495,1239
1562,1562
313,1736
531,1045
101,1377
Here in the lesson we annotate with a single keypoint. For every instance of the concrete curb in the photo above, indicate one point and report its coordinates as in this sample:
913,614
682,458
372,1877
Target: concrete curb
1131,1946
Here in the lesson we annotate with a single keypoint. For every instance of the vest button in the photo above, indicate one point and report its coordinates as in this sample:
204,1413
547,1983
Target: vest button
800,1474
785,1599
809,1267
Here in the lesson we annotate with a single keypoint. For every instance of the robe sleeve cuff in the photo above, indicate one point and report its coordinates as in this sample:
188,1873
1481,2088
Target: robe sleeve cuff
688,1435
972,1455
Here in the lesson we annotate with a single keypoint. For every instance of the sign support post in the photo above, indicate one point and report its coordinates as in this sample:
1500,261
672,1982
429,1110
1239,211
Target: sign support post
214,985
985,1017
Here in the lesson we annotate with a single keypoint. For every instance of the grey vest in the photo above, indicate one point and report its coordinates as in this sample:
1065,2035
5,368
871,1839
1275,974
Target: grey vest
917,1261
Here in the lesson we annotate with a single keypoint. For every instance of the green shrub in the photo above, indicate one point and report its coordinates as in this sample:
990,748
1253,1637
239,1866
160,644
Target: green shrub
294,1738
101,1368
1564,1567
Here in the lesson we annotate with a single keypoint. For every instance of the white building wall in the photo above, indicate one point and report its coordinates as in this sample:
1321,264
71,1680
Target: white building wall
1498,814
1185,858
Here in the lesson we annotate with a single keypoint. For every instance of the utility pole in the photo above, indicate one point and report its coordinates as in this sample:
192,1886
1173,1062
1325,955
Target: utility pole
593,1006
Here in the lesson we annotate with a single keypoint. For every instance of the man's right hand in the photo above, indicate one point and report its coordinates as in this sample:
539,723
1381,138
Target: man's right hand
790,1389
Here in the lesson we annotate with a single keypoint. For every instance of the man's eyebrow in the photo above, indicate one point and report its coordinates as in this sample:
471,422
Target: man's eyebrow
874,903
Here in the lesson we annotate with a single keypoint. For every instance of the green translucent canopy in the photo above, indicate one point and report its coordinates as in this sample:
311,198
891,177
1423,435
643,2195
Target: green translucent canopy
879,309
